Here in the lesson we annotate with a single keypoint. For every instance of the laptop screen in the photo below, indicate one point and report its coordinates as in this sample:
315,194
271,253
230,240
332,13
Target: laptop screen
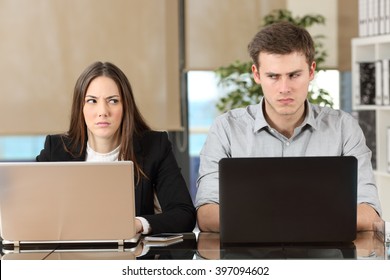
288,200
66,201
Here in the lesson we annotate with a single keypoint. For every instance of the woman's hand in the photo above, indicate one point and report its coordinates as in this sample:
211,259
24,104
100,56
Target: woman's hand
138,226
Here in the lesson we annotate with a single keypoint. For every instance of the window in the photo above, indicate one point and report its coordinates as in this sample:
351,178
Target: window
20,148
203,93
329,80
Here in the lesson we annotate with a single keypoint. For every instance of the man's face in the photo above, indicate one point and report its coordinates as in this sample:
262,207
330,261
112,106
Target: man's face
285,80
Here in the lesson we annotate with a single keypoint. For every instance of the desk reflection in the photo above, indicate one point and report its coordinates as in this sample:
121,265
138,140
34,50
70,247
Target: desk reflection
366,246
185,249
205,245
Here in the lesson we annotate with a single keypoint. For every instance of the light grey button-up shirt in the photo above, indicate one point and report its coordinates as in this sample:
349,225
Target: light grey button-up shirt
244,132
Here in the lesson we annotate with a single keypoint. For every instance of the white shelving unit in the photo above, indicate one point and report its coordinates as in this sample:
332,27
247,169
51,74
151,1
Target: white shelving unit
371,49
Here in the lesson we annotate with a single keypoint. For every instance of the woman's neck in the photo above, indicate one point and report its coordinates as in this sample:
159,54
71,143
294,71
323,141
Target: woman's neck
102,146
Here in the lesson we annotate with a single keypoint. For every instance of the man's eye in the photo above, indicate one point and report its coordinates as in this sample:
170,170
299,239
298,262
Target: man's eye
296,75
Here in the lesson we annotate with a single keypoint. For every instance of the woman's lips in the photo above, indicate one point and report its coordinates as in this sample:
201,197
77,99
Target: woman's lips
103,124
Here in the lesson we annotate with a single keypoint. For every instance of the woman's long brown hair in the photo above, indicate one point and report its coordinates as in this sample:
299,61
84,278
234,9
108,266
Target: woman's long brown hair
133,124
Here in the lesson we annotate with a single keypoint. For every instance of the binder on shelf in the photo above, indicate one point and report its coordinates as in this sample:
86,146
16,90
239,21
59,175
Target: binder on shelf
382,17
375,15
388,149
367,121
378,83
370,18
363,18
386,82
367,83
387,16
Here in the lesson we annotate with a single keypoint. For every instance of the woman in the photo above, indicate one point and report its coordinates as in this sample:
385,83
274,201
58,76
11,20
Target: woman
106,125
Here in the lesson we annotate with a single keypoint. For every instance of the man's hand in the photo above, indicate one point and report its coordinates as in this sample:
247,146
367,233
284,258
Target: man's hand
366,217
208,217
209,246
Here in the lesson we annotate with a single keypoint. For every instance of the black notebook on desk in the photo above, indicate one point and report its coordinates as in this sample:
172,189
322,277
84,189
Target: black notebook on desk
288,200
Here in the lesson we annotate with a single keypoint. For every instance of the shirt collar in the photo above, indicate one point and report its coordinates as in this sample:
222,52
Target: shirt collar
310,119
261,123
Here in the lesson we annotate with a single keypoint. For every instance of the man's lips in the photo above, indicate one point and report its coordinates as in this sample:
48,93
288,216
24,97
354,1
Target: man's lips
286,100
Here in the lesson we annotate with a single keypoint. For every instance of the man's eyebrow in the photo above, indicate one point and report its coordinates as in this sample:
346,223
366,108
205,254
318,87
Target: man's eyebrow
271,73
295,72
289,73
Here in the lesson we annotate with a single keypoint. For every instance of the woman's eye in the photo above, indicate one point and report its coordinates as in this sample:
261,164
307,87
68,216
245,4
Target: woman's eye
90,101
113,101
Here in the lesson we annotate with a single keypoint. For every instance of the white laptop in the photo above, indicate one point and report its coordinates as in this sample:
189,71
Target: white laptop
74,203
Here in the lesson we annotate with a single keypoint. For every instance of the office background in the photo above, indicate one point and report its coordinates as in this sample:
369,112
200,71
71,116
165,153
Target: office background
168,49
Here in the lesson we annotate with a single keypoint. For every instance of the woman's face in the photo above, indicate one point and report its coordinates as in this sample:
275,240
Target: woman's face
103,110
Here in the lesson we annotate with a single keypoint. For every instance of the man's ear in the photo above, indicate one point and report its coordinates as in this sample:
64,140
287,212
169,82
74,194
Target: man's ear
312,70
256,74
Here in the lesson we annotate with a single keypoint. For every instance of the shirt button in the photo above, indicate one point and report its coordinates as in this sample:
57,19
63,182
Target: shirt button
287,143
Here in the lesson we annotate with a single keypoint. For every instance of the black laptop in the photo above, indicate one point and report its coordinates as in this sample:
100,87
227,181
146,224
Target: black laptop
289,200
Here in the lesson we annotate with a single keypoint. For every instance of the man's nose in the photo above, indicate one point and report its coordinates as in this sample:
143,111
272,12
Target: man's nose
284,86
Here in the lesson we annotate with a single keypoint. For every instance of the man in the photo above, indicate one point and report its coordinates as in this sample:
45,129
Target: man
283,124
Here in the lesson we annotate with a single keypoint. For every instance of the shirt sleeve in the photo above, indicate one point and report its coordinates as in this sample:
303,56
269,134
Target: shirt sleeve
145,225
166,181
355,145
215,148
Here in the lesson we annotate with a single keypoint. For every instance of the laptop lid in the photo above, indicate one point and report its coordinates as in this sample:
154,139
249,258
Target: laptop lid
60,202
288,200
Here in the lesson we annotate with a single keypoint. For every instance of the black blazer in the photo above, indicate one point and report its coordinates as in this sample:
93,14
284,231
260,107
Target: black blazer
155,157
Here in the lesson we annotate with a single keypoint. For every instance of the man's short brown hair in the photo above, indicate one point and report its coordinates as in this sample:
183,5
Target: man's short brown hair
282,38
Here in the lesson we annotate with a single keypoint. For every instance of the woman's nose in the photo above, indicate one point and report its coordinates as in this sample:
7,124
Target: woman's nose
103,110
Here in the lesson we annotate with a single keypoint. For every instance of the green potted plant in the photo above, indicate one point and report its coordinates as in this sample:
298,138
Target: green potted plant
236,78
